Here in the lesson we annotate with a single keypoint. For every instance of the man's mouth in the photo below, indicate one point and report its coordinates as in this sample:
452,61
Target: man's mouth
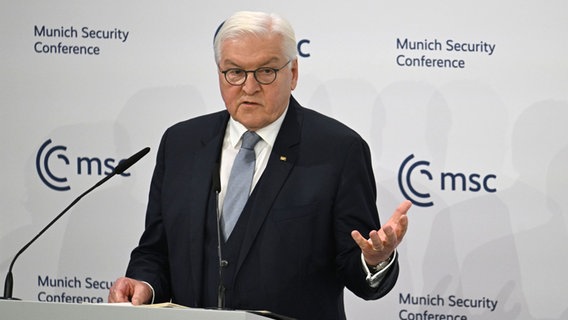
249,103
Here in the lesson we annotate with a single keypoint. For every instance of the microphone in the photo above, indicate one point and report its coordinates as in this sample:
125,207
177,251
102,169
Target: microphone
124,165
222,263
120,168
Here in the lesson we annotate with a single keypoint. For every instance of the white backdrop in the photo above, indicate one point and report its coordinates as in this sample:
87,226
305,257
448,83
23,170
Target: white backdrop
481,149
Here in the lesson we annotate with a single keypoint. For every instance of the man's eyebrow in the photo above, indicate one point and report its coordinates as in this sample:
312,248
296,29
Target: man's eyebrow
232,64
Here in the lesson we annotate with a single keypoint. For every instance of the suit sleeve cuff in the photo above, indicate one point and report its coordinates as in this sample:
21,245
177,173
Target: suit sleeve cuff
375,278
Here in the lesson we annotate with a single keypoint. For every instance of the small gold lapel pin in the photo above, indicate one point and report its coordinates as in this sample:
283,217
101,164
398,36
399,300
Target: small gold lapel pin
282,158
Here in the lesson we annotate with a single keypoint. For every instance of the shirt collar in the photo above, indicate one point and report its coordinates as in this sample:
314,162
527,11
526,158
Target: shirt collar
268,133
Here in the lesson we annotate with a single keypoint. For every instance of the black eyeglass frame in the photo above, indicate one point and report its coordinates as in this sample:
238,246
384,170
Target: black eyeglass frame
254,72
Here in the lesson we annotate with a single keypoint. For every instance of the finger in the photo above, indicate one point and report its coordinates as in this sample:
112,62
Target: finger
376,241
385,240
142,293
390,240
399,219
119,291
112,297
402,227
403,208
359,239
137,298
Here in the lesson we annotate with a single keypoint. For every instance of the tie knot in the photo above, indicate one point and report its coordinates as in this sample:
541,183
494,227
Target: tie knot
250,139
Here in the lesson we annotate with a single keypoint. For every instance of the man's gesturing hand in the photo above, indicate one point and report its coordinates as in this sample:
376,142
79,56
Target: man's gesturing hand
382,243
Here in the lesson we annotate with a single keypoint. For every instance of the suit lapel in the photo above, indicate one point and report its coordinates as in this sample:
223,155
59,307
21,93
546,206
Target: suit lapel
281,161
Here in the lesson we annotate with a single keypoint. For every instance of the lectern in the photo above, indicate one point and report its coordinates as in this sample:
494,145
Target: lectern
28,310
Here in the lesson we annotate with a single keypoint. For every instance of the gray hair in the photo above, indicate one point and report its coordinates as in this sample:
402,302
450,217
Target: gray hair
255,23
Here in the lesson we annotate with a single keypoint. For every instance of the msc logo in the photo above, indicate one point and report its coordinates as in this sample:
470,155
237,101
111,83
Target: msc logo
445,181
53,156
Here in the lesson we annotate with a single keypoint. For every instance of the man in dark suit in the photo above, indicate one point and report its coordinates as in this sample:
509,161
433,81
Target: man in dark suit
297,243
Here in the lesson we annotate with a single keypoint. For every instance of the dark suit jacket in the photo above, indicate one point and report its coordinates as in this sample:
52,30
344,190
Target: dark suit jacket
297,254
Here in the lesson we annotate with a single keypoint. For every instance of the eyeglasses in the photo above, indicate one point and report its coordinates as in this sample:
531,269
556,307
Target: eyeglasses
264,75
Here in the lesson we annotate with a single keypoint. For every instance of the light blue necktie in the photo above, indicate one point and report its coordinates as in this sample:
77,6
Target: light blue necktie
240,182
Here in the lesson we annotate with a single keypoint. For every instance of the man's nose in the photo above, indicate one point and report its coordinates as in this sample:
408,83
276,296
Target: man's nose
251,85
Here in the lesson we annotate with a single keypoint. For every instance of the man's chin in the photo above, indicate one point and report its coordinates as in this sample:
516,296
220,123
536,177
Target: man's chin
252,123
